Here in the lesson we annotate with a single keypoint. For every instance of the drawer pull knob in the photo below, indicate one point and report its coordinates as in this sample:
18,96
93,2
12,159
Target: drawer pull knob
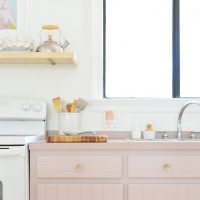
79,168
167,168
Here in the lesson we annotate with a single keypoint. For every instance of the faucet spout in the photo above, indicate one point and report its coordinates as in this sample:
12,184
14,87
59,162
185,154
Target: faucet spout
179,129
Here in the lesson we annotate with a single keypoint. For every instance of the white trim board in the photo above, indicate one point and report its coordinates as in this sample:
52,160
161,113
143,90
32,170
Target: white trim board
97,49
143,105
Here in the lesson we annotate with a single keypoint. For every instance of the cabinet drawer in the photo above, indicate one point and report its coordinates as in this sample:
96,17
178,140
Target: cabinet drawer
164,166
79,166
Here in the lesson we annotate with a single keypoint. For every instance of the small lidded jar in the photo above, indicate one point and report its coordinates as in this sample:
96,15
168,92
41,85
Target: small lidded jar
149,133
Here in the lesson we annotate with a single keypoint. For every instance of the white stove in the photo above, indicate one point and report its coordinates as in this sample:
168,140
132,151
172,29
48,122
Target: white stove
16,140
22,121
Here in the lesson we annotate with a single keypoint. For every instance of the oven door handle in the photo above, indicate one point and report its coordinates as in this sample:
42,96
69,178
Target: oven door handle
12,151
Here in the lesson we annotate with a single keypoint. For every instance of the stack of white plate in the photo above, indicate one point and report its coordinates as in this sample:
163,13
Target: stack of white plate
16,43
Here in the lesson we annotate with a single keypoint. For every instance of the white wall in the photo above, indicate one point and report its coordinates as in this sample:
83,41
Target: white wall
46,81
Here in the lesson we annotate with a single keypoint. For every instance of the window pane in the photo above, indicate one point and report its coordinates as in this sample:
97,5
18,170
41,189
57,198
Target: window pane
139,48
190,48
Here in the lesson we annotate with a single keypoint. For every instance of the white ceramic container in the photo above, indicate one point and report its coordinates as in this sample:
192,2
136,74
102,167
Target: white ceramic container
149,135
69,122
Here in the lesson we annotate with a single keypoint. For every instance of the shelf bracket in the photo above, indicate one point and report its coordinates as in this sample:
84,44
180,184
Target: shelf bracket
51,61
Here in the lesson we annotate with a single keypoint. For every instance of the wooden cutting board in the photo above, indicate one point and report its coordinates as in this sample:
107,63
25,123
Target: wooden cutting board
77,139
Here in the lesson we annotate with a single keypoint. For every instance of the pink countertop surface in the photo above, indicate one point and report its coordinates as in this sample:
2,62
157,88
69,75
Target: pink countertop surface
119,144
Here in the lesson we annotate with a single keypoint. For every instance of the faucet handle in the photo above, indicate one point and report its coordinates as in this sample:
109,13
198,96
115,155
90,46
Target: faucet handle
165,135
193,135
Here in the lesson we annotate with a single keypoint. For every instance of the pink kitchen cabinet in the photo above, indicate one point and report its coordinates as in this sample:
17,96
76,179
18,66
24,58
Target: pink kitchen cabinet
114,171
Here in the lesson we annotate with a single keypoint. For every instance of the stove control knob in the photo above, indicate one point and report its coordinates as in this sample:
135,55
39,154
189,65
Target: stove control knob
37,107
4,106
26,106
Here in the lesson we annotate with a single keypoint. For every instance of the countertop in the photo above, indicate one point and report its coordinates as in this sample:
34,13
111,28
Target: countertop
119,144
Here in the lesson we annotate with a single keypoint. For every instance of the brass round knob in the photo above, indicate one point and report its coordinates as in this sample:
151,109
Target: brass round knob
79,168
167,167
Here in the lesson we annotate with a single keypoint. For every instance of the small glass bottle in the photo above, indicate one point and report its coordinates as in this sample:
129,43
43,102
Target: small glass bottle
136,131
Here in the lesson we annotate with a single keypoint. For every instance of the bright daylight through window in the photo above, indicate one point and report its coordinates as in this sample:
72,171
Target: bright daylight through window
190,48
138,48
151,48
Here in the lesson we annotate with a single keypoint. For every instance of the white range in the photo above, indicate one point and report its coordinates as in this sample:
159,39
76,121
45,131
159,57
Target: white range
21,121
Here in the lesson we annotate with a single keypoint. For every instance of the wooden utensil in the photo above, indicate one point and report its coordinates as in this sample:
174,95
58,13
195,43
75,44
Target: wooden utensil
57,103
74,105
69,107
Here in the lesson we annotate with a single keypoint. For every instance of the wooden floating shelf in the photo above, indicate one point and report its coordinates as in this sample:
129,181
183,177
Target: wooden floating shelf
37,58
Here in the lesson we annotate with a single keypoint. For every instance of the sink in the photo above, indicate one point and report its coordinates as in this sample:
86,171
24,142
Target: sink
165,140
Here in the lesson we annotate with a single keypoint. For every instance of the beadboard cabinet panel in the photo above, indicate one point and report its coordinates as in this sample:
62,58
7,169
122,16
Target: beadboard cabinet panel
80,192
164,192
194,192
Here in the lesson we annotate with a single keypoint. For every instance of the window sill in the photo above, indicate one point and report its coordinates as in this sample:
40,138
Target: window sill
143,105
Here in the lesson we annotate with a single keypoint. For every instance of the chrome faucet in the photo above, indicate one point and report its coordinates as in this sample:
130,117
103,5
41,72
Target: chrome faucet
179,131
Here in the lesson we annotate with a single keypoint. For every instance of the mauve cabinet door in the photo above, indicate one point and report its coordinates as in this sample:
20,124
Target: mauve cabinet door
164,192
80,192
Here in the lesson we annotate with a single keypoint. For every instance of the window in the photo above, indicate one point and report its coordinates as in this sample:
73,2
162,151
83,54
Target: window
190,48
138,48
145,54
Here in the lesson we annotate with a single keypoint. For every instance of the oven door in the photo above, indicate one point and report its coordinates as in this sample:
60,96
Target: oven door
13,173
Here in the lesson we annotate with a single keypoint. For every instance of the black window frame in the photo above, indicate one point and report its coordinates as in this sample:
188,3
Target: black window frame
175,49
